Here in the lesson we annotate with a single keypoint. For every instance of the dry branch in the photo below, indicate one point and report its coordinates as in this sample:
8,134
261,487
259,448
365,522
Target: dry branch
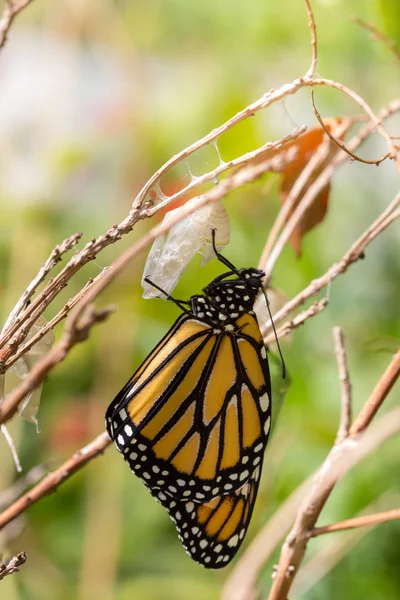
355,252
297,321
10,11
341,144
375,33
242,582
10,494
76,331
51,482
379,394
327,557
344,378
343,455
51,262
13,565
364,521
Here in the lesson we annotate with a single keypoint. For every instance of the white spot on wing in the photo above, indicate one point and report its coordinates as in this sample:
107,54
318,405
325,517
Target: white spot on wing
264,402
233,541
267,425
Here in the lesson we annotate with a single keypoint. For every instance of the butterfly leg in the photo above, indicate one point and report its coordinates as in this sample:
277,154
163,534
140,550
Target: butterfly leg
178,303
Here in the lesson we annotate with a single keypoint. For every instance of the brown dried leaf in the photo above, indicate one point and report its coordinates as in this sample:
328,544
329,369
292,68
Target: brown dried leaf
306,146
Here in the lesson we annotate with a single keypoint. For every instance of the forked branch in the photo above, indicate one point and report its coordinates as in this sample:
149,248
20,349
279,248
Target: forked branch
343,454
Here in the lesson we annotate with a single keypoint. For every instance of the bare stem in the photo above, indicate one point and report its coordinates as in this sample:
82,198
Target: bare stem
45,269
377,397
344,378
313,31
364,521
341,144
355,252
51,482
10,11
375,33
242,583
297,321
74,333
342,455
13,565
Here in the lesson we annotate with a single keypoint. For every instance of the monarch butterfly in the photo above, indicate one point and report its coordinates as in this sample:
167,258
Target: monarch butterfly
194,419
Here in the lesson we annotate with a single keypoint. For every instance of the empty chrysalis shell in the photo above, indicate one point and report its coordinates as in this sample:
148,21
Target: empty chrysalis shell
170,254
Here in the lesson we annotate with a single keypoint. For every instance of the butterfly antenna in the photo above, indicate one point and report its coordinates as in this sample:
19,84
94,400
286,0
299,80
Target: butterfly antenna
219,256
178,303
276,337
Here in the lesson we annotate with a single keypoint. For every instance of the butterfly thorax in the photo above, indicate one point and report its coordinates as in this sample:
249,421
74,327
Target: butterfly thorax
225,300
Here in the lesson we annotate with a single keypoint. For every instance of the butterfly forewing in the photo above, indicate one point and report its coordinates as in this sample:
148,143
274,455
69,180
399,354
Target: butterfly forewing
194,418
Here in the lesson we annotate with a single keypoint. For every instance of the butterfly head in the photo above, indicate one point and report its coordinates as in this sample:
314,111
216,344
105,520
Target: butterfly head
252,277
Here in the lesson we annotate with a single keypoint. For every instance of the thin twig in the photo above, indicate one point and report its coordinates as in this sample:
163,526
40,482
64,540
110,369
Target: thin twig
375,33
51,262
355,252
76,331
12,447
341,144
344,378
365,521
327,557
377,397
51,482
393,151
297,321
13,565
10,494
10,11
62,314
313,31
264,152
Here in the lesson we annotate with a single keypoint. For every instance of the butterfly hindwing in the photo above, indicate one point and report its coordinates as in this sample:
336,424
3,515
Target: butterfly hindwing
212,532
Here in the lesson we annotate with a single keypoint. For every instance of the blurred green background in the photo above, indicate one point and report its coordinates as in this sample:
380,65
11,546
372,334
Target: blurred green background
94,97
